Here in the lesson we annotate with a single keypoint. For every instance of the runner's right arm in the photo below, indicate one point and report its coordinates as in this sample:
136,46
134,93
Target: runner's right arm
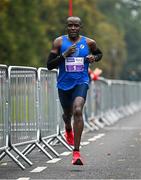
54,57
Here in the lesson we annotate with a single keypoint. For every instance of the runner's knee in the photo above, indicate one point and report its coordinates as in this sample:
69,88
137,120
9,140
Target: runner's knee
77,111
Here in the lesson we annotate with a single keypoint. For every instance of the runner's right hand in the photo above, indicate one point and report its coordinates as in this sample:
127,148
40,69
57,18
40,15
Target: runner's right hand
70,50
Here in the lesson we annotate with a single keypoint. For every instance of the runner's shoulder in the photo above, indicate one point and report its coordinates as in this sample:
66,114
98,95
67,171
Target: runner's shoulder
90,41
58,41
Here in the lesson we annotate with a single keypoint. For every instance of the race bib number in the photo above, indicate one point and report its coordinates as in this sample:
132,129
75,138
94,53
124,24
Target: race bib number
74,64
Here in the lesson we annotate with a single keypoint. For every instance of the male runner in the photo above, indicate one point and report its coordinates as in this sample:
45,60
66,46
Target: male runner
71,54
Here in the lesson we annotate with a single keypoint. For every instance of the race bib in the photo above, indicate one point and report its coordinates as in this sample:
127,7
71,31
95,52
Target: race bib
74,64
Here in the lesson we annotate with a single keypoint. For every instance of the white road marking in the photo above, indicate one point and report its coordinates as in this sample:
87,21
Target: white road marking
92,139
121,160
101,144
85,143
38,169
100,135
96,137
66,153
54,160
24,178
4,164
132,145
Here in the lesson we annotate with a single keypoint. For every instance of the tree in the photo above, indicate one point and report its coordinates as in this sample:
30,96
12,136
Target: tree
23,39
126,15
29,27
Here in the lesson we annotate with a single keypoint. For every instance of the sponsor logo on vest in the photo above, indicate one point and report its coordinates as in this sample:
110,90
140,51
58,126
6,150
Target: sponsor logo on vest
82,46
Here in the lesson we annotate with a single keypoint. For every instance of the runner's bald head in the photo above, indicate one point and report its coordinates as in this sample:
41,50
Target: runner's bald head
74,18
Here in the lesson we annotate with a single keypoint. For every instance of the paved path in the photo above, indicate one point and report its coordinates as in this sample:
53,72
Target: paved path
113,152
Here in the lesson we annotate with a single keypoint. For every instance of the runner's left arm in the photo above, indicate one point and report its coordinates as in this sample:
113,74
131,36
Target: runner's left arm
96,53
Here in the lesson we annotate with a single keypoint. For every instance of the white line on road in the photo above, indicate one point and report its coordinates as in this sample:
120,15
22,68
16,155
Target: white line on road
96,137
4,164
100,135
85,143
24,178
132,145
121,160
54,160
66,153
92,139
38,169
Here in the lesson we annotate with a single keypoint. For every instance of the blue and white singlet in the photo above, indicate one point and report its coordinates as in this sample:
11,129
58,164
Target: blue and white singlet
74,69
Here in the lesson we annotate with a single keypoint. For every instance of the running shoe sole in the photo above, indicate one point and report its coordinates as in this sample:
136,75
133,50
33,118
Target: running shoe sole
78,162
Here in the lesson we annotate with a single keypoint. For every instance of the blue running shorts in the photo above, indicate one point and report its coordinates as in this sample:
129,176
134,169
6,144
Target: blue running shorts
67,97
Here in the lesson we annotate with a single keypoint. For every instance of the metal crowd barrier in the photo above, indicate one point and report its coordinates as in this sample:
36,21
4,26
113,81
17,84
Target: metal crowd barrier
31,114
33,117
50,110
21,111
3,107
33,97
110,100
5,120
23,104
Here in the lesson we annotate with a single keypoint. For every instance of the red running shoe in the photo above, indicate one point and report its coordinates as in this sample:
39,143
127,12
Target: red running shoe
69,137
77,160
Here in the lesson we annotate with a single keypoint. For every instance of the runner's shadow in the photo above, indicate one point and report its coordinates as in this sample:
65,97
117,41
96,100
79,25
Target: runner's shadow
76,170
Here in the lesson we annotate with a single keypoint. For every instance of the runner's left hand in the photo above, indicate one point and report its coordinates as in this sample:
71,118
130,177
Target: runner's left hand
91,58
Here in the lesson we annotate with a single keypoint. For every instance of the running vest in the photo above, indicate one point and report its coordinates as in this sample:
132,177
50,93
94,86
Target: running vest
74,69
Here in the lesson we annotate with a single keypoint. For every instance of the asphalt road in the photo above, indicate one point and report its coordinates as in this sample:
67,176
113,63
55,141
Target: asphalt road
113,152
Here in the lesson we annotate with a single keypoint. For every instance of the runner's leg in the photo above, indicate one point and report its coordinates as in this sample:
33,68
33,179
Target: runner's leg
78,123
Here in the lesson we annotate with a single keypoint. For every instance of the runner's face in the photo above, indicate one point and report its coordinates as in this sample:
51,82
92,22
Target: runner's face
73,28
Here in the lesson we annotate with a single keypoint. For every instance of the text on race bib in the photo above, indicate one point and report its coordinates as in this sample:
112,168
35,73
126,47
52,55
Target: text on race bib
74,64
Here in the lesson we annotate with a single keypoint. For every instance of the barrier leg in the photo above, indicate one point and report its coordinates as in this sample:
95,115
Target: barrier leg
50,147
64,143
43,150
51,140
29,149
14,159
26,149
2,155
22,155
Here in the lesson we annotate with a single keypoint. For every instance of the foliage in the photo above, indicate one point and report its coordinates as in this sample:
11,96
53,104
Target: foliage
126,15
27,29
22,36
114,49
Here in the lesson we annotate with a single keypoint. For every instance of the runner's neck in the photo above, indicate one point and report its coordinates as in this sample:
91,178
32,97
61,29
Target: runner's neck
75,40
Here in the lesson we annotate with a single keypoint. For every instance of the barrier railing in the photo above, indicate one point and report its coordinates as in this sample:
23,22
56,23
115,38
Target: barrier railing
31,114
49,109
24,109
23,104
3,106
111,100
